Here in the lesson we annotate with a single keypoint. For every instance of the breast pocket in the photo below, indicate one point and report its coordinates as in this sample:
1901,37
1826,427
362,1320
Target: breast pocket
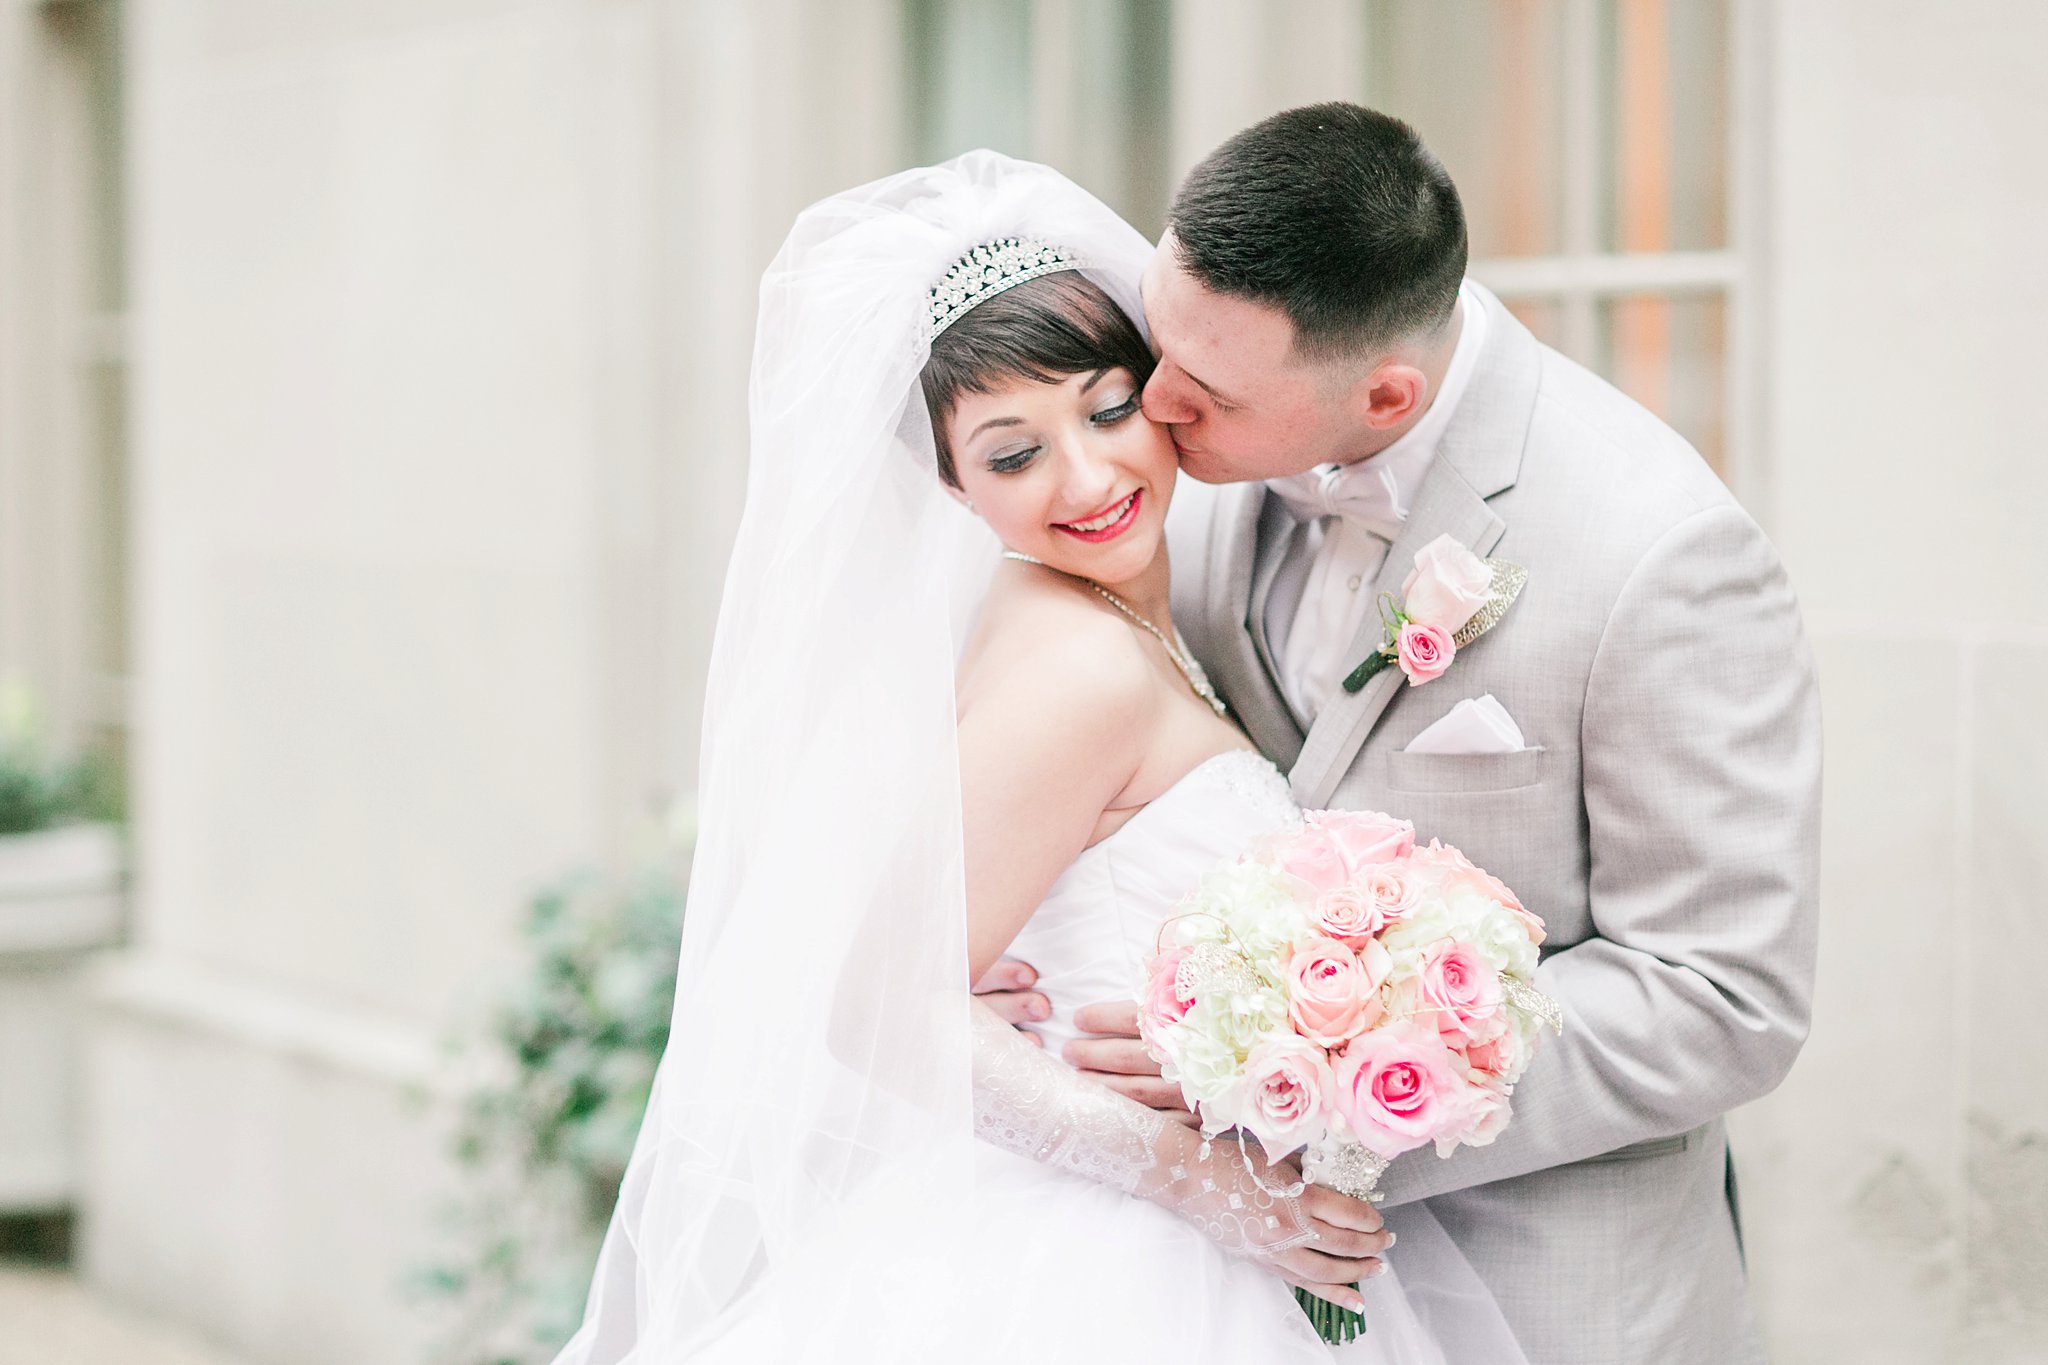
1467,773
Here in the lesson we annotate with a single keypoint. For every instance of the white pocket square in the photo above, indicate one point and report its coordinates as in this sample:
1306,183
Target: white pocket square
1477,725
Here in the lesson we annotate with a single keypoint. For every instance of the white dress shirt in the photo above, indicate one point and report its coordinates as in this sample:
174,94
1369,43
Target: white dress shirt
1352,515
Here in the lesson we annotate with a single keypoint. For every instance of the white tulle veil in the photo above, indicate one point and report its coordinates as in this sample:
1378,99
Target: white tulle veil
820,1039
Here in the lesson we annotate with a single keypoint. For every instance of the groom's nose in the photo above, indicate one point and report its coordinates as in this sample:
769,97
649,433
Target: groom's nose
1169,395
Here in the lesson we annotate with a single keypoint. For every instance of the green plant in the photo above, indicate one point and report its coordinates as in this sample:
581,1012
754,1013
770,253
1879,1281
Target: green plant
563,1065
36,793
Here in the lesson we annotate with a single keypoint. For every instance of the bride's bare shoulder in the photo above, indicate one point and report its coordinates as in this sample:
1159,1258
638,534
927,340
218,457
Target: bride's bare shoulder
1053,642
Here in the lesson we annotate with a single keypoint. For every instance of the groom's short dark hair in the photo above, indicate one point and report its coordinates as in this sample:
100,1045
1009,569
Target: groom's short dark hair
1334,213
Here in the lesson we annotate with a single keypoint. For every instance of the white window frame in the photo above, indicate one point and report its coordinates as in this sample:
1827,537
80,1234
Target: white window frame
1584,274
52,589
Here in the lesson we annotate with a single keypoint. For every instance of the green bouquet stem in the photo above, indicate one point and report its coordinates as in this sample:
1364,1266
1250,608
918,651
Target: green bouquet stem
1333,1324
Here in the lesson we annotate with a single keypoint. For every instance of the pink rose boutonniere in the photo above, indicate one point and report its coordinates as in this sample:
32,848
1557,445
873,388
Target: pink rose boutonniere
1449,599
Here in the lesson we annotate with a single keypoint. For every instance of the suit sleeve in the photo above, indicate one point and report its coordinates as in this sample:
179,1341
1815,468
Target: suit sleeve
1701,745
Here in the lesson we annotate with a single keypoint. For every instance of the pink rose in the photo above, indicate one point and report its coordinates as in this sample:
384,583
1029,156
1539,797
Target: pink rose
1374,898
1455,870
1163,1003
1331,989
1462,994
1349,915
1491,1111
1287,1086
1366,836
1425,651
1399,1087
1447,586
1392,890
1496,1057
1314,857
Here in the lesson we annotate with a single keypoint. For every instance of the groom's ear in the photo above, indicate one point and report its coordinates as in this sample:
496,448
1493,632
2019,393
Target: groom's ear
1389,394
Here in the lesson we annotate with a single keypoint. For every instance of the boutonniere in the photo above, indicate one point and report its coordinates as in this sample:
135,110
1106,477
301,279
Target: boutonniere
1451,598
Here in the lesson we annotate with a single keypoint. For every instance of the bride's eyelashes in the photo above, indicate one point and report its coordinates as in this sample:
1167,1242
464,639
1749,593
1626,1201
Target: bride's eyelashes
1111,416
1012,462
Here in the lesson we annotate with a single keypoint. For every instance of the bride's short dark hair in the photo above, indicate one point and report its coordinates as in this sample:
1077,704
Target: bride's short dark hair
1045,330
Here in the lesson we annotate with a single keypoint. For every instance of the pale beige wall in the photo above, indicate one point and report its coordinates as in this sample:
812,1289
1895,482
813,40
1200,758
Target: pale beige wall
1897,1187
441,334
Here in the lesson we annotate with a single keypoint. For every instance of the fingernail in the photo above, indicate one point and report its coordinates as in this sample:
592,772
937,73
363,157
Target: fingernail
1038,1009
1390,1239
1375,1270
1358,1303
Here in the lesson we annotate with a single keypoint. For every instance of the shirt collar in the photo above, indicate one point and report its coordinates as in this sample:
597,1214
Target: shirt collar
1399,468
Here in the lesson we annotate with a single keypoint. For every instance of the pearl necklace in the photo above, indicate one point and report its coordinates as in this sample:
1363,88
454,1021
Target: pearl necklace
1182,660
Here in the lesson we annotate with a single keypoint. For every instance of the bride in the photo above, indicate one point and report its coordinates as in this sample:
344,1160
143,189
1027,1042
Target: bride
949,715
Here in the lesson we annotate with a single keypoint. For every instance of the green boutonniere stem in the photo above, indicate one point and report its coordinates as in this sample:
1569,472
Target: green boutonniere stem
1363,674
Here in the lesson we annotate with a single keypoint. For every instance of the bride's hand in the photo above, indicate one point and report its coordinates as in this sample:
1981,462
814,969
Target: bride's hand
1006,988
1317,1239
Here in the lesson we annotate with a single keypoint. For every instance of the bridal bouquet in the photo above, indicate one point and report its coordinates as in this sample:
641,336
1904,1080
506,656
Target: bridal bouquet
1343,992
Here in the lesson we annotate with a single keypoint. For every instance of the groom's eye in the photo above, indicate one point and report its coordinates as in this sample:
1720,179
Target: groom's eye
1111,416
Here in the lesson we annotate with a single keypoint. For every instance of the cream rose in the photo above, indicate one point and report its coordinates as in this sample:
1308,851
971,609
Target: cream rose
1447,586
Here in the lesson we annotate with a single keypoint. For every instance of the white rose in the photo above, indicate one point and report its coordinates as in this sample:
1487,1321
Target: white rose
1447,587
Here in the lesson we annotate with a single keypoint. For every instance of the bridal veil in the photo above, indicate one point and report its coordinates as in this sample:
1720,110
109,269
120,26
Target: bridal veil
820,1045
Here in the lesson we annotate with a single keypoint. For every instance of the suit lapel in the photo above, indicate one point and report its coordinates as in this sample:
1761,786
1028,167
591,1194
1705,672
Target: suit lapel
1445,506
1480,455
1240,669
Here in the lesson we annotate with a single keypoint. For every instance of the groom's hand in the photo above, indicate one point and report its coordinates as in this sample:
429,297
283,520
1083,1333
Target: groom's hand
1116,1058
1006,989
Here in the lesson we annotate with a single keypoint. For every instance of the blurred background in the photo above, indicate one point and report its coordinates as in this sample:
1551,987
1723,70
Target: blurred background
372,435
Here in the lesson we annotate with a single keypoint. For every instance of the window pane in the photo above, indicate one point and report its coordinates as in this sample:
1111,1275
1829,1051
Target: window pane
106,531
1483,82
1670,355
1666,109
1104,91
1544,317
1084,86
970,76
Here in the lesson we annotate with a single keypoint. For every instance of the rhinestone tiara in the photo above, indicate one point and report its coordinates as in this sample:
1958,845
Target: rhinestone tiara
987,271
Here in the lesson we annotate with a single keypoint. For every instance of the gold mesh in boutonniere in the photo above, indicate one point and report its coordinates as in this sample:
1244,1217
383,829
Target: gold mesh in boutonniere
1450,598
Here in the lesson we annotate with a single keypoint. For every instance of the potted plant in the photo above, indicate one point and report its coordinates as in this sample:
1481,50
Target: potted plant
61,898
555,1079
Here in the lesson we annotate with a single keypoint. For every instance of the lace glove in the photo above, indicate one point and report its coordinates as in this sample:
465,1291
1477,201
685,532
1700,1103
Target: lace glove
1028,1103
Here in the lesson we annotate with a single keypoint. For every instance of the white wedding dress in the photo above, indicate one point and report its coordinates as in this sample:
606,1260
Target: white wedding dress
1075,1272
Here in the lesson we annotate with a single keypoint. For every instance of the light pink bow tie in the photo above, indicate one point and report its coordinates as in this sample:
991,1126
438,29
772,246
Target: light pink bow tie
1359,492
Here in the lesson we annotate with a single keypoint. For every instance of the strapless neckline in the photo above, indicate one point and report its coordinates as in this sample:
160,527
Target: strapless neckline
1238,769
1099,922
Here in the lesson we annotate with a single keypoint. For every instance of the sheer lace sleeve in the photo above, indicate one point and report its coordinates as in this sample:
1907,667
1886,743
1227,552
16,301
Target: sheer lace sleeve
1028,1103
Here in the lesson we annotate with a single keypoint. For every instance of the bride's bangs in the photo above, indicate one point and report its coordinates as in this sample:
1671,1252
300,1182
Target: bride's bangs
1045,331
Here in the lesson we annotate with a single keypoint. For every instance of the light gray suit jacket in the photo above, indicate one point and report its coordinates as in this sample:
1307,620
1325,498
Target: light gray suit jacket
1664,823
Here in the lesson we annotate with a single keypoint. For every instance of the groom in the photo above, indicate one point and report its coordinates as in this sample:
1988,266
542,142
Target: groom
1646,775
